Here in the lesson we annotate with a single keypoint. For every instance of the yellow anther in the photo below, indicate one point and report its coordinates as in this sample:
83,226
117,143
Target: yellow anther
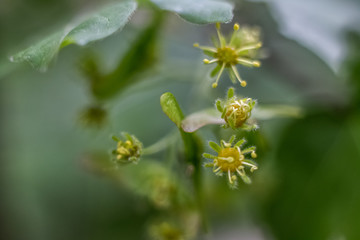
217,25
196,45
127,151
236,26
243,83
253,155
206,61
256,64
214,85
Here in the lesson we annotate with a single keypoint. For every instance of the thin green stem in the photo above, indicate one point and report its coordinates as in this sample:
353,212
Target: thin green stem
160,145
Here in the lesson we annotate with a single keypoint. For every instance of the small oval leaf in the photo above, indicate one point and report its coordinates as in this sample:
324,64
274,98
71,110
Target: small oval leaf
171,108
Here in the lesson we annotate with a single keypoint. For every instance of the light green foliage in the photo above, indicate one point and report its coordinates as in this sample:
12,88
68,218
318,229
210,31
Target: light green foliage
41,54
200,11
102,24
97,26
171,108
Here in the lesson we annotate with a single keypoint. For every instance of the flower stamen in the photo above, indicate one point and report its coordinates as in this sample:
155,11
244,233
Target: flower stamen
231,160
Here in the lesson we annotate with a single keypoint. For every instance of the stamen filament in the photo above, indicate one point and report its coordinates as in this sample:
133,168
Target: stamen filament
250,47
241,173
237,75
248,62
248,150
222,44
209,49
250,165
210,61
216,170
229,175
233,36
229,159
215,84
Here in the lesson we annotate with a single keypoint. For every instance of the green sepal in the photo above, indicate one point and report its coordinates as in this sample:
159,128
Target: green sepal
219,106
215,146
240,142
230,93
209,156
245,178
215,71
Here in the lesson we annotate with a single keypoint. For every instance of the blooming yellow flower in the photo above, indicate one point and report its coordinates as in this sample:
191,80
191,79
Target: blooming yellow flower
231,160
240,49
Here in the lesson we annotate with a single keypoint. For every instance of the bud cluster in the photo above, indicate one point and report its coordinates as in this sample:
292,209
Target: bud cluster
128,150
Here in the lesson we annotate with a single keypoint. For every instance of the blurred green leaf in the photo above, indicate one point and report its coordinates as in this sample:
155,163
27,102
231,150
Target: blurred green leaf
317,170
200,11
140,56
352,65
99,25
171,108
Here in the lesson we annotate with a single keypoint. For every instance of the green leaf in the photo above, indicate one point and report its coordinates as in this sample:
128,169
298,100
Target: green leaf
40,55
200,119
199,11
97,26
171,108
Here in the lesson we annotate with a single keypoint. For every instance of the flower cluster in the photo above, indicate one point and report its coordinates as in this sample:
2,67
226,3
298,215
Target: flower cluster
236,111
127,151
231,160
241,48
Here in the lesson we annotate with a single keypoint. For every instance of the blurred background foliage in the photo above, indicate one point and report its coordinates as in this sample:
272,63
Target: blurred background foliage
57,182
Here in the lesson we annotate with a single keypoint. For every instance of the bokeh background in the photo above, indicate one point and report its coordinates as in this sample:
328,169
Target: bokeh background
307,186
